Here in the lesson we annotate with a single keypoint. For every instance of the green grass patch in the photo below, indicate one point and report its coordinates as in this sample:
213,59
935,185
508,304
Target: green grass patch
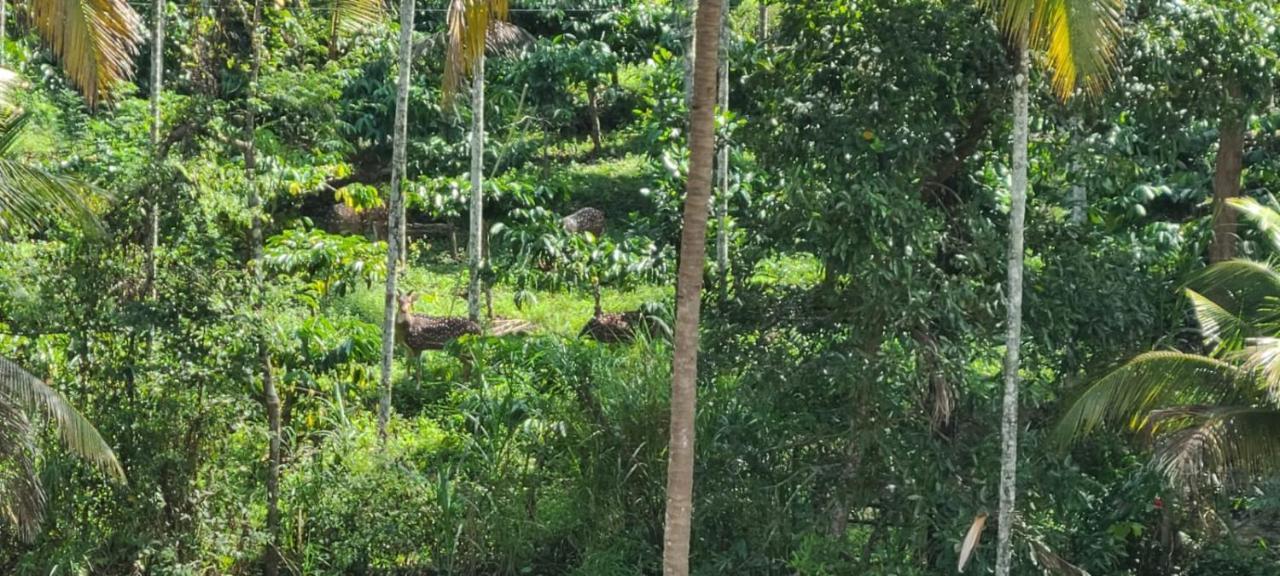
441,288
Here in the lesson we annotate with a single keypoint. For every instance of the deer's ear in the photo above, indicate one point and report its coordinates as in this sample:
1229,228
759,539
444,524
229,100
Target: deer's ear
412,295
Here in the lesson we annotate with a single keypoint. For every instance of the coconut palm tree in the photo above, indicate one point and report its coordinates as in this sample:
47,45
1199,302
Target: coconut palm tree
28,196
1213,415
1078,39
468,24
693,245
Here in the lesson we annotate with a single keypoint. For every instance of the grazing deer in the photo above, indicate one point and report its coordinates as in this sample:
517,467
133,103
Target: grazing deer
585,220
623,327
418,332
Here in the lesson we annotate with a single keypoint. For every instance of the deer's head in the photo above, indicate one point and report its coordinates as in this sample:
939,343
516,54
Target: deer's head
406,304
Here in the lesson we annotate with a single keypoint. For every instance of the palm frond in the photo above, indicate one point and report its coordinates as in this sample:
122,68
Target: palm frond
1151,381
504,39
20,388
22,497
467,23
1218,327
1245,288
1222,440
95,40
11,128
1262,357
29,195
1051,562
352,16
1264,218
1013,18
1079,38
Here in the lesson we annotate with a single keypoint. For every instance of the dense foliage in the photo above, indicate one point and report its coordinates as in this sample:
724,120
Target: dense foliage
849,391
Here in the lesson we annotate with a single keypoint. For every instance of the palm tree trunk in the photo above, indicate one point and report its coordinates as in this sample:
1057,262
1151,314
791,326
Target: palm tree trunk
157,80
395,212
693,246
475,245
1226,185
722,164
1013,339
271,564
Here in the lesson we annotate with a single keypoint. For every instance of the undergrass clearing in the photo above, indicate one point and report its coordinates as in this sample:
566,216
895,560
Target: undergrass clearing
442,286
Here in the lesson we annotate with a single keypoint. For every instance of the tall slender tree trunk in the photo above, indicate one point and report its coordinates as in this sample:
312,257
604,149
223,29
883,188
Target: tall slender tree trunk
395,212
722,163
475,246
1013,339
4,32
593,108
763,32
271,564
693,246
157,80
1226,185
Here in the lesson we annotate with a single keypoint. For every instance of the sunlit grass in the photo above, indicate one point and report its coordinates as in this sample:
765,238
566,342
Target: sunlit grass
441,289
801,270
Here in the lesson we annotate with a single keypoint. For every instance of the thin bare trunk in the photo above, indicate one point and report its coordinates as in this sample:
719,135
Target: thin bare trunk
395,212
593,107
1226,185
693,246
271,564
333,34
1013,339
475,245
763,32
4,32
722,164
157,80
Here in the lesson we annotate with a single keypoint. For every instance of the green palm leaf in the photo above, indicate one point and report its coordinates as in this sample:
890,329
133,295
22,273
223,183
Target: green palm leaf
1263,217
19,388
1244,288
22,498
29,195
1218,327
1154,380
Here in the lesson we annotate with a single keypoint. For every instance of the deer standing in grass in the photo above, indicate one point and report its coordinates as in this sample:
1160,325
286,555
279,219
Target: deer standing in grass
419,332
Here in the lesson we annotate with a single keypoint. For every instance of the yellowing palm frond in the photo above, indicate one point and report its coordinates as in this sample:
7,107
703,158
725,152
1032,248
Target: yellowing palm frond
1078,37
467,25
1222,440
95,40
352,16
